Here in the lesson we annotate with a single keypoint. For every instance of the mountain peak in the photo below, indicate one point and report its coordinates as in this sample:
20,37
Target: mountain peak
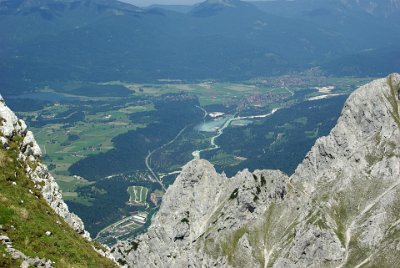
340,207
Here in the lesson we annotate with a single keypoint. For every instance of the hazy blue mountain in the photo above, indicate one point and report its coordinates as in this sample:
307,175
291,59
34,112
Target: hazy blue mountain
349,18
176,8
212,7
380,8
366,25
100,40
376,61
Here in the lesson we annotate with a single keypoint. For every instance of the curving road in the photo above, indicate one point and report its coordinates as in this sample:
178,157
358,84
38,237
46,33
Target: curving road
148,157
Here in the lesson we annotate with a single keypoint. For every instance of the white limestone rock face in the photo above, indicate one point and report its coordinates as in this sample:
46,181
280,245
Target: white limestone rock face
11,127
210,207
30,146
9,123
4,142
339,209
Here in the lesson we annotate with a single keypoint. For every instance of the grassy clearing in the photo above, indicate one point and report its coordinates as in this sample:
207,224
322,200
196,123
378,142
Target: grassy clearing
393,100
70,184
224,159
229,247
137,194
31,217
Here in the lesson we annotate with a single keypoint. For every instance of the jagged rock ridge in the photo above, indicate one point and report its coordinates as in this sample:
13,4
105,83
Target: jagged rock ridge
339,209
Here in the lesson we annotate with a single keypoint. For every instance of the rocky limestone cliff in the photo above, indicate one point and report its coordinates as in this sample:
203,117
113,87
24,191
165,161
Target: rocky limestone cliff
11,126
339,209
36,227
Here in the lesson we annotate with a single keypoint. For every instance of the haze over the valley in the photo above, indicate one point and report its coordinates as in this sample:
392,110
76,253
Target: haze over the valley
201,133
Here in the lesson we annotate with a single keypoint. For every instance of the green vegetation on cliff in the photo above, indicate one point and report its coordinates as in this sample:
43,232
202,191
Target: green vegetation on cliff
25,217
392,99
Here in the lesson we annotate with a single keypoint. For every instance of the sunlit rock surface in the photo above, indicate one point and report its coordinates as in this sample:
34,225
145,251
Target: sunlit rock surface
339,209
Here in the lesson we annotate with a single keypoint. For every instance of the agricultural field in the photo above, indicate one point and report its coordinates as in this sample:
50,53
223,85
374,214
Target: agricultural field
208,92
64,143
137,195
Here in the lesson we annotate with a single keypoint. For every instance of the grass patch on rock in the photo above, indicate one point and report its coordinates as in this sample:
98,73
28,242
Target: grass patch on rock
26,217
393,100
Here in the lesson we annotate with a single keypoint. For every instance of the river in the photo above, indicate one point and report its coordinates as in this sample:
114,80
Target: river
213,145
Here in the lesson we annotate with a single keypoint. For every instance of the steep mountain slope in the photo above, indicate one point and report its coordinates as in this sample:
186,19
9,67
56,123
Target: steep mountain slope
36,227
339,209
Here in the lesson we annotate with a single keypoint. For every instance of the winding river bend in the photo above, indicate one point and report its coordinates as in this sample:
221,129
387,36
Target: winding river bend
213,145
197,154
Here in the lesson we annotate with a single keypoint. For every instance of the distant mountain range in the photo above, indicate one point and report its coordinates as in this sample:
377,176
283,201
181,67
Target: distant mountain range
99,40
384,8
